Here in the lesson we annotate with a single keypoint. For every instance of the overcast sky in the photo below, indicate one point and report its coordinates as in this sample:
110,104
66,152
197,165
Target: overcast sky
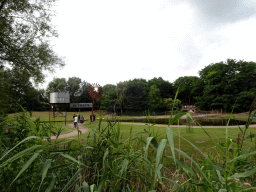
108,41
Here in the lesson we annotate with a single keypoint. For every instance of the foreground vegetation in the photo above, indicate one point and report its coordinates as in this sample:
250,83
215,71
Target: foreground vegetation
107,160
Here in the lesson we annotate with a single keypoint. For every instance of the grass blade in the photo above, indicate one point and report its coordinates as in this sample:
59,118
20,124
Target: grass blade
73,179
47,164
245,174
159,155
171,141
50,187
27,165
28,138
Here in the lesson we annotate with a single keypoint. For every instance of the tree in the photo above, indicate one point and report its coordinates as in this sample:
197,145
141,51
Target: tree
137,95
19,91
165,87
25,30
73,86
155,100
57,84
190,87
109,97
168,102
84,97
121,89
4,90
228,83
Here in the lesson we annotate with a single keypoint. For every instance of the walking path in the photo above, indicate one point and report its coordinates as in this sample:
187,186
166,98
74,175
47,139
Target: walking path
72,133
84,130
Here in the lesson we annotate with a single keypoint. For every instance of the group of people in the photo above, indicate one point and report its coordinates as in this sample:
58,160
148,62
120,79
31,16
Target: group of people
78,119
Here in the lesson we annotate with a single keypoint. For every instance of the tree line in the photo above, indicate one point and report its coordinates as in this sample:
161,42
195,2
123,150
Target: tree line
220,86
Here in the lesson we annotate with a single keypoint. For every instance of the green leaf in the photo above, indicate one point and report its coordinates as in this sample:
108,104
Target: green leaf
86,187
71,158
27,165
244,156
28,138
193,146
159,155
72,180
47,164
171,140
197,166
184,166
102,182
160,151
176,118
50,187
154,142
245,174
20,154
147,145
105,155
216,167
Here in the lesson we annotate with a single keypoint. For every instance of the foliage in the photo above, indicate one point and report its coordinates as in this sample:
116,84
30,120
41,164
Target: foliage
24,32
137,94
169,103
25,51
104,161
27,160
57,84
226,83
190,88
155,100
109,97
166,88
17,88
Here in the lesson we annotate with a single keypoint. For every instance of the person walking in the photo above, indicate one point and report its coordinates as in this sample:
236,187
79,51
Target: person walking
75,121
82,119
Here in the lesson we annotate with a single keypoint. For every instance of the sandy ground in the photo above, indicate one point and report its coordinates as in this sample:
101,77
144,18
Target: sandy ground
73,133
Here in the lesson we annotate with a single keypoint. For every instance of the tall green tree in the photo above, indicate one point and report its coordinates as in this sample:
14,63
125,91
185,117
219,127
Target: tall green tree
155,100
121,90
57,84
166,88
109,97
227,83
190,87
137,95
25,29
73,86
20,91
84,93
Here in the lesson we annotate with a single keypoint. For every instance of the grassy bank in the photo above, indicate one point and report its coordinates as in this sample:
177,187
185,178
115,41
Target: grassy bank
114,156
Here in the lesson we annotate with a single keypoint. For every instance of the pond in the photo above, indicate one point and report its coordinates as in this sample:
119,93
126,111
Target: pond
203,122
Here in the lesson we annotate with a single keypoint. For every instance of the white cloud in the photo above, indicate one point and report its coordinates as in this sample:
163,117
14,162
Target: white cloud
107,42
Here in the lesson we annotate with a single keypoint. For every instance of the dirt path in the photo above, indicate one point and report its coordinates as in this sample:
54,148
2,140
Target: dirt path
84,130
73,133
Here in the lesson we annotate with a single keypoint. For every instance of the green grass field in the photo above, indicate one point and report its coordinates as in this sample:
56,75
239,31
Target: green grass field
198,136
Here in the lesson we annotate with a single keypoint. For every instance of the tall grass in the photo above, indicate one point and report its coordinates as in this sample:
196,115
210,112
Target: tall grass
105,161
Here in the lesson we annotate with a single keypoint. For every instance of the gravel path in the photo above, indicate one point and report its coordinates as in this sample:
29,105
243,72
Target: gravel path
84,130
73,133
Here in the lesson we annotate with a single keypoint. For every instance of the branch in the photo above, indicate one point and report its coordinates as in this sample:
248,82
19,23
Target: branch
2,5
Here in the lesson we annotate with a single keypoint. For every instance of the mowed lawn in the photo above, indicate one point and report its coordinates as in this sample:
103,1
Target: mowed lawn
198,136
